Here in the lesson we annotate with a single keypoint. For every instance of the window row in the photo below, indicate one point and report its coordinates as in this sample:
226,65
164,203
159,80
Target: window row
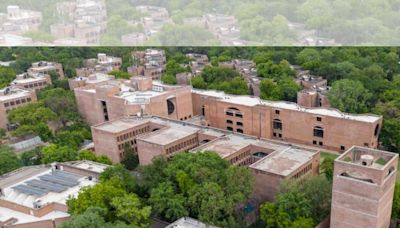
35,84
121,146
17,102
189,143
241,156
238,130
231,122
186,117
303,171
133,133
320,143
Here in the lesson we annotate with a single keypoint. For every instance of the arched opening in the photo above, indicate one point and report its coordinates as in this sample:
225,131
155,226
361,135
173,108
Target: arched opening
318,132
376,130
260,154
277,124
233,108
171,107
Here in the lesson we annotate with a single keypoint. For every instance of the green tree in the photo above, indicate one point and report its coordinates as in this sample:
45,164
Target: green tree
172,68
198,83
289,89
120,74
121,173
349,96
7,75
92,218
130,209
390,135
32,157
202,186
396,202
327,168
130,159
87,155
55,153
62,103
269,90
299,204
169,79
8,160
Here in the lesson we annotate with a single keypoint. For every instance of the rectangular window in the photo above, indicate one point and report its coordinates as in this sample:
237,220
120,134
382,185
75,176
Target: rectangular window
277,112
239,123
280,135
240,131
366,144
321,143
229,121
274,134
12,103
319,119
277,125
314,142
229,113
342,148
229,128
6,104
239,115
318,132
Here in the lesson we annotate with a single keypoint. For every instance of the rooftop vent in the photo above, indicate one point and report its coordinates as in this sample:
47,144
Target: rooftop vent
367,160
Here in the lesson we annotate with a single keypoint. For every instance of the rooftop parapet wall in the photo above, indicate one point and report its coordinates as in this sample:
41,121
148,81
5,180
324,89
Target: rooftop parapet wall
255,101
382,165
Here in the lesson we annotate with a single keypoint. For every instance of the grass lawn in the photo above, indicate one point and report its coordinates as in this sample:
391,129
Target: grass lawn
328,155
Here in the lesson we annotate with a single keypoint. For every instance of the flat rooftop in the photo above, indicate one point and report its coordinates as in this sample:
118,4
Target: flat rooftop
284,162
11,92
169,134
28,77
253,101
22,218
120,124
38,186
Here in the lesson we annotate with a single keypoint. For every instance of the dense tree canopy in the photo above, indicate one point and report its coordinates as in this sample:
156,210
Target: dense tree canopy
202,186
115,199
221,78
349,96
300,204
8,160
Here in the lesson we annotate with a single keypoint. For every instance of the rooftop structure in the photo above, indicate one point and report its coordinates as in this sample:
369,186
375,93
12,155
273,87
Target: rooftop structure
37,195
186,222
34,81
102,64
315,89
141,95
45,67
199,61
12,97
152,136
91,80
20,21
374,172
287,121
154,19
86,21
